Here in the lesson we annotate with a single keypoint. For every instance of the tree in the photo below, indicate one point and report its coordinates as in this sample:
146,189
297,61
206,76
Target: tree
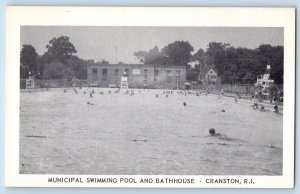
103,61
243,65
59,61
153,56
28,60
140,56
216,55
57,70
193,72
178,52
272,55
78,67
199,56
59,49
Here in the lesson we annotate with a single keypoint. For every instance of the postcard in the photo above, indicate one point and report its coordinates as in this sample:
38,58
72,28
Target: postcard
150,97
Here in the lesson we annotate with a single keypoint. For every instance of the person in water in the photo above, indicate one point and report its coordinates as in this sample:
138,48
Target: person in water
212,132
276,109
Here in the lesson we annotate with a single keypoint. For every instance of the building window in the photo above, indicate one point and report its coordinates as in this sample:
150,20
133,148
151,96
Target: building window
116,72
169,75
145,75
104,74
156,72
127,72
95,70
178,76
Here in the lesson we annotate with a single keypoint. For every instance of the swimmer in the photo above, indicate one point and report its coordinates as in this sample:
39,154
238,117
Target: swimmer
276,110
222,143
271,146
156,95
238,95
91,95
89,103
255,106
184,104
212,132
222,110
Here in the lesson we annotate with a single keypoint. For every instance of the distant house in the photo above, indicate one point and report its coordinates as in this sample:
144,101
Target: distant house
209,74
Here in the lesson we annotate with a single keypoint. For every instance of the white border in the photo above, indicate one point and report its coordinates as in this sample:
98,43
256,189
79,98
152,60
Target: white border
146,16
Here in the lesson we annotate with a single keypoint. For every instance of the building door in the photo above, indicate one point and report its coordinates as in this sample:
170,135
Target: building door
178,79
94,76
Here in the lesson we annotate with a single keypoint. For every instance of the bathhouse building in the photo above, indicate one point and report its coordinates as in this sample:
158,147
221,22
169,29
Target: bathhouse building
138,75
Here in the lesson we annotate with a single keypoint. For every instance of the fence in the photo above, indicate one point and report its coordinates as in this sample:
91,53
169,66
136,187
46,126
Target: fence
246,89
60,83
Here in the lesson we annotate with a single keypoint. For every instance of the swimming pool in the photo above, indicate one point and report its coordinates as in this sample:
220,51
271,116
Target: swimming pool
117,133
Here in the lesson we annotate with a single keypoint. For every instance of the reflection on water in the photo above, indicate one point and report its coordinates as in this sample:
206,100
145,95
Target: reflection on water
142,134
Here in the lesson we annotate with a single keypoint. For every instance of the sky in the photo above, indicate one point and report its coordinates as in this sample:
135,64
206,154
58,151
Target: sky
118,44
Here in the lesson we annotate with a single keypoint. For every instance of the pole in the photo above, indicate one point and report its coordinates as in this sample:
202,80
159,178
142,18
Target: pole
116,47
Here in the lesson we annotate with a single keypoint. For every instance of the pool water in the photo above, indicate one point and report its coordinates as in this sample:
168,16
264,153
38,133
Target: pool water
117,133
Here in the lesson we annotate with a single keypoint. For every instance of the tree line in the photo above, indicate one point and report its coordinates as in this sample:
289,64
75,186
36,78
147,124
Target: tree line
58,62
234,65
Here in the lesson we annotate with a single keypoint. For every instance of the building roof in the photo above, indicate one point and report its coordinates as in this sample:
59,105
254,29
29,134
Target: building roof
137,66
206,69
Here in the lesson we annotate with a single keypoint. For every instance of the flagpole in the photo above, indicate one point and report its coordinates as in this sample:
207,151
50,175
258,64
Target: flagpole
117,48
